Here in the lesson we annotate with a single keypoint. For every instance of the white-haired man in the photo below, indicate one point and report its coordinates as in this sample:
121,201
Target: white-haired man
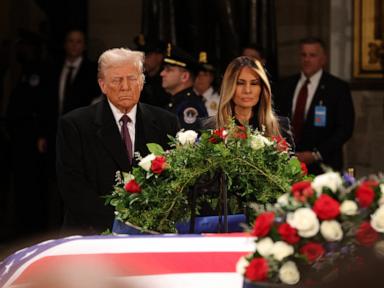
96,141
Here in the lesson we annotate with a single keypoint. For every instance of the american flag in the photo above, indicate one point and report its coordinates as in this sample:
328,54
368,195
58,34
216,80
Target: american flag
204,261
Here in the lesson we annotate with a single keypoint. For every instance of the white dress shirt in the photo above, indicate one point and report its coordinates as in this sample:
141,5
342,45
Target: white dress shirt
117,114
312,86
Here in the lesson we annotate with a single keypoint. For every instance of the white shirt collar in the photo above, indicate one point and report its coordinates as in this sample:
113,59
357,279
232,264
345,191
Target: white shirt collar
314,79
75,64
117,114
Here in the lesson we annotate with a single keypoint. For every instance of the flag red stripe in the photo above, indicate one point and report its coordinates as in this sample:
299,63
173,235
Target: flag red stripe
126,264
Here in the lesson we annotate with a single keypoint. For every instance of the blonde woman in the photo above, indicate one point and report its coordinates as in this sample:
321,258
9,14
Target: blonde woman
246,97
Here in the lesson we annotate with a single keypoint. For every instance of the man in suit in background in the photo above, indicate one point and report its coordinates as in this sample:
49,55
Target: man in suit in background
72,83
320,107
91,147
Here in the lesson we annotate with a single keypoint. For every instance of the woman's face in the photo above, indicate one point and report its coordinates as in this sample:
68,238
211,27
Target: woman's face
248,89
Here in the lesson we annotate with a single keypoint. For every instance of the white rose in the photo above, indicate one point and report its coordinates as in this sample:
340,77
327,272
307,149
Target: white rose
264,246
348,207
382,188
377,220
289,274
186,137
283,200
331,180
257,142
381,200
146,162
305,221
331,230
281,250
241,265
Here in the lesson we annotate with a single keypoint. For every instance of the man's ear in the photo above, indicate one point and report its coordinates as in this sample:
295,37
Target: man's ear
102,85
185,76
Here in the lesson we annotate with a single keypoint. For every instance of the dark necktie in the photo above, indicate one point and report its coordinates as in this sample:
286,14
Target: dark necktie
298,117
67,88
125,135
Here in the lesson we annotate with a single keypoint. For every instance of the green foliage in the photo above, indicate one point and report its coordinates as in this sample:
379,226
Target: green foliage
255,167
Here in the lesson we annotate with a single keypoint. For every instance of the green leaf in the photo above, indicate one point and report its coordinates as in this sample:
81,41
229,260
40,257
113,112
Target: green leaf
155,148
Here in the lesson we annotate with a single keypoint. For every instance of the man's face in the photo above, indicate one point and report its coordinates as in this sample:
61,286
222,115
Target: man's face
122,86
312,58
172,77
203,81
74,45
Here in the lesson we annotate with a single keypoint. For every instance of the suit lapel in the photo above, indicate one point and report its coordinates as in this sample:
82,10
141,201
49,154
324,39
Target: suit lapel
317,98
109,135
146,129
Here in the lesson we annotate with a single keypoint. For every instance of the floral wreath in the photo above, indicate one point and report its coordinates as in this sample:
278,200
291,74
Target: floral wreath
155,195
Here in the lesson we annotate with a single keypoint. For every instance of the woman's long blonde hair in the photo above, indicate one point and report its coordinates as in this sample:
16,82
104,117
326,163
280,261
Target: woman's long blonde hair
266,116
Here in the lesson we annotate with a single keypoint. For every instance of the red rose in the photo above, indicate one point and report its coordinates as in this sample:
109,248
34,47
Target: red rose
304,168
217,136
132,187
282,144
302,190
312,251
257,270
288,233
366,235
158,164
365,194
263,224
240,133
326,207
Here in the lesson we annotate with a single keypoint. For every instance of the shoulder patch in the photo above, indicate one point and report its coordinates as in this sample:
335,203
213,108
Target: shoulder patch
190,115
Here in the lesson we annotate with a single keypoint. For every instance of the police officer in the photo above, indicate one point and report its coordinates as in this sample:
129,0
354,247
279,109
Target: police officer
177,79
204,85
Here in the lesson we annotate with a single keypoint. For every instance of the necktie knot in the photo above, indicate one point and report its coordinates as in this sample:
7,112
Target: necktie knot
125,119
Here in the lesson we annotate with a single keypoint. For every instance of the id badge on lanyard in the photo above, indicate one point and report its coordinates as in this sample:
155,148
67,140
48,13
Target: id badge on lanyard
320,119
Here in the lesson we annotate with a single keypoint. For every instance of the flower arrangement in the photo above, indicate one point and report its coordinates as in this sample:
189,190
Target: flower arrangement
155,195
315,225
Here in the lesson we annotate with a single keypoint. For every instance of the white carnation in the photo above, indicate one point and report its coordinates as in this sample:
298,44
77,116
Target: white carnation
241,265
382,188
305,221
264,246
348,207
146,162
281,250
377,220
331,180
331,230
289,274
381,200
186,137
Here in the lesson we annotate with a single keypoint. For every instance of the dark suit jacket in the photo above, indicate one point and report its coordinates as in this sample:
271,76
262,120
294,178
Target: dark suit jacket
335,95
90,151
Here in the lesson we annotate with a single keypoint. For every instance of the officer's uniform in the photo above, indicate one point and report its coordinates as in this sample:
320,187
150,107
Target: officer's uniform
210,97
188,107
185,104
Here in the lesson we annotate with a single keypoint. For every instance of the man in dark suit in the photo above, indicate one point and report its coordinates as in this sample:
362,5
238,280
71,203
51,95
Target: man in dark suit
72,83
320,107
91,147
